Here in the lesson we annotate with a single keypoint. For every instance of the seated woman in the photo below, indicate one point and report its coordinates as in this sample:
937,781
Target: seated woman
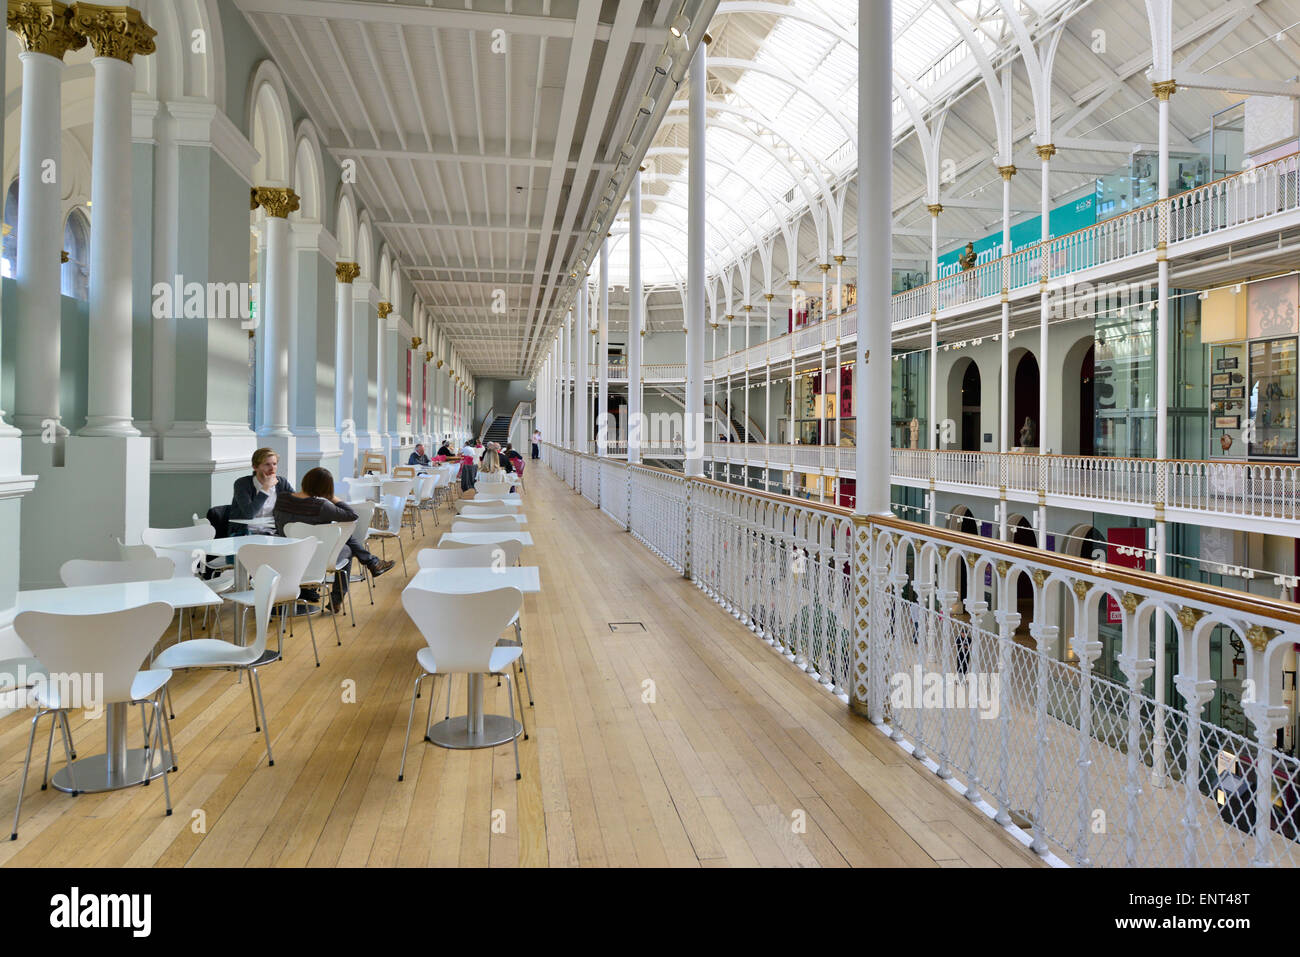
256,495
317,504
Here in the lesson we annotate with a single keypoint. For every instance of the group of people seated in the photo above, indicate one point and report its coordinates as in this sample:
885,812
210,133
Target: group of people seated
476,458
268,502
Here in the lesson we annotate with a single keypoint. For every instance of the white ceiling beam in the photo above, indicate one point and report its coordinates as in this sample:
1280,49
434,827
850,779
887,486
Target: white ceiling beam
1235,84
452,18
460,227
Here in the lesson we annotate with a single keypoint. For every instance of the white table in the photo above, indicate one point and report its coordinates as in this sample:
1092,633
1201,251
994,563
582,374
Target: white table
119,766
474,729
486,538
519,517
462,581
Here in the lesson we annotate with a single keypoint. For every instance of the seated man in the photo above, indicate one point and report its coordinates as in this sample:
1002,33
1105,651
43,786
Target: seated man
445,449
256,495
418,457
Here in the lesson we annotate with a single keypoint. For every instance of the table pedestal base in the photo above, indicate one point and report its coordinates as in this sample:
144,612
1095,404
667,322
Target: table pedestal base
93,775
456,733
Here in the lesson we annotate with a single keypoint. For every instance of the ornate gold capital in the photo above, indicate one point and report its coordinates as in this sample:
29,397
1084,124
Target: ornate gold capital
794,283
278,201
768,296
63,256
1259,636
415,342
1046,151
1006,172
385,309
747,308
934,208
428,355
824,267
1188,617
1164,89
44,26
840,259
117,32
439,363
729,317
346,272
1130,601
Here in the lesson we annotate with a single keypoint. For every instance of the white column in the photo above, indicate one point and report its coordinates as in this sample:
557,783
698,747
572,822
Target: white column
693,426
44,40
935,432
875,248
636,322
382,425
1004,342
1045,152
344,274
116,36
566,384
1162,320
582,397
602,357
276,322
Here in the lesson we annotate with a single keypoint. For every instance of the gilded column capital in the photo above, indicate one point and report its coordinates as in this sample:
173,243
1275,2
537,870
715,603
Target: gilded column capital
439,363
794,283
769,296
1046,151
934,208
385,309
1164,89
747,307
415,342
840,259
346,272
117,32
428,356
824,267
730,316
1008,171
63,256
278,201
44,26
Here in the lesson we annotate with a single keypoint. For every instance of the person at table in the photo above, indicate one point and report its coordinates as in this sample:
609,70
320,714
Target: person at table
418,457
491,463
445,449
317,504
468,467
256,495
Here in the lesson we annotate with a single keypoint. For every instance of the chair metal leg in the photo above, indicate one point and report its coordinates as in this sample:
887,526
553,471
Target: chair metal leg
254,680
49,746
401,772
171,708
519,693
333,617
167,730
403,550
515,739
252,695
31,740
68,753
448,714
167,791
433,696
312,629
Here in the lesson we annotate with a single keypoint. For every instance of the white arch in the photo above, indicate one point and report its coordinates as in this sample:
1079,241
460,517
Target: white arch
269,119
309,177
385,275
345,225
365,247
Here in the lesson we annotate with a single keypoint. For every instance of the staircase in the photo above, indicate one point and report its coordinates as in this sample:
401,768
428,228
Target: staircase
499,430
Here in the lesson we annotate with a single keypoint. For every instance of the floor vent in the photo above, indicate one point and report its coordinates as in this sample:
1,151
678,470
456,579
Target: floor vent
621,627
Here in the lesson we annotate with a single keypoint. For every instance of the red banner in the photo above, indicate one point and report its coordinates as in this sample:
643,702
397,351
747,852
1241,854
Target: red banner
410,357
1134,539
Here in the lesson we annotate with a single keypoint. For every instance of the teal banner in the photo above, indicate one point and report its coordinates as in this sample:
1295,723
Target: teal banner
1064,219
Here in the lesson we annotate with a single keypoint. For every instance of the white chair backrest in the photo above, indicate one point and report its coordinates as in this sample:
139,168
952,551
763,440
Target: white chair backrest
393,506
427,485
462,630
480,506
112,644
84,572
265,584
134,553
327,548
398,487
343,489
365,513
203,528
170,536
463,524
470,556
290,559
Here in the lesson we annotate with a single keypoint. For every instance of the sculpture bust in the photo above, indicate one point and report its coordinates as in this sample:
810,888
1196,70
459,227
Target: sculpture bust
967,258
914,429
1027,433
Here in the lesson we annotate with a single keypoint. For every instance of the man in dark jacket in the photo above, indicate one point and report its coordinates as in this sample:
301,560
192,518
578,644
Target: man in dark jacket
418,457
256,495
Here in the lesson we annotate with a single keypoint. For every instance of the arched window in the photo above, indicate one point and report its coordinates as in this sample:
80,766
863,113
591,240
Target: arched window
76,243
9,262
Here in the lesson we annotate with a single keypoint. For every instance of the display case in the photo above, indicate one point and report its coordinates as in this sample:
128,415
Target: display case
1272,397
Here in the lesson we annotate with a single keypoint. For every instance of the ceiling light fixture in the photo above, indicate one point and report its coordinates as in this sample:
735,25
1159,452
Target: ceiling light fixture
647,104
679,26
664,64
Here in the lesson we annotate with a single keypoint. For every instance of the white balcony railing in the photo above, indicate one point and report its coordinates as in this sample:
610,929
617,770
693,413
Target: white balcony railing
919,628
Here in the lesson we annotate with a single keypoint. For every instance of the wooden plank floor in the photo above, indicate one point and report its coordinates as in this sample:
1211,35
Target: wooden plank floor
691,743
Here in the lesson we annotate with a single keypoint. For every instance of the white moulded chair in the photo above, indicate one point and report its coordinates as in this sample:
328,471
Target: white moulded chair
460,632
213,653
393,506
400,488
80,571
483,556
365,515
110,646
324,562
290,560
489,507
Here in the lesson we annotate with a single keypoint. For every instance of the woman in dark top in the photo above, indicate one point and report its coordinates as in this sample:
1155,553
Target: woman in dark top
317,504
